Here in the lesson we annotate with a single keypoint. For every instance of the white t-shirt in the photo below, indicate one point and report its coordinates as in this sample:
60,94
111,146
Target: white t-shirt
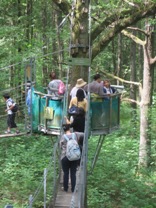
9,103
74,91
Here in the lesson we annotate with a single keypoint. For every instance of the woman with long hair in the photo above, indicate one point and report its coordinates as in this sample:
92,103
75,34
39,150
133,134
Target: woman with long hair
80,101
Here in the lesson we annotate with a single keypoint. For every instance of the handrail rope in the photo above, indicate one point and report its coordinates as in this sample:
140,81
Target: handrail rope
42,180
84,156
54,179
87,120
22,106
47,95
18,86
81,181
78,182
25,61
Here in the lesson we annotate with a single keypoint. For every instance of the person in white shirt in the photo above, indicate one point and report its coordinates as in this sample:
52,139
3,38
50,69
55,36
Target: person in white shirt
79,84
11,115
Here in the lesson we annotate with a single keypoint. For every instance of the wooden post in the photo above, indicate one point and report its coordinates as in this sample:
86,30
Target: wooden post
45,178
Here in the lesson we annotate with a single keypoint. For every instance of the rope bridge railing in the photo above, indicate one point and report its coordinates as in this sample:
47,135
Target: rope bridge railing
43,183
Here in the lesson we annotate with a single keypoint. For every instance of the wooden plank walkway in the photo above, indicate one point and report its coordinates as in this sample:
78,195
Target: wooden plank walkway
12,134
63,199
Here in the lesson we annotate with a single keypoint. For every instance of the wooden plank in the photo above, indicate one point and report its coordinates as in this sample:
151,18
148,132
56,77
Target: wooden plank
63,198
12,135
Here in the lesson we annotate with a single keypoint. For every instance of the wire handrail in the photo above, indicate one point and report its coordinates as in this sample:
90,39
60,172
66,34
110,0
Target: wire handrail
32,198
39,56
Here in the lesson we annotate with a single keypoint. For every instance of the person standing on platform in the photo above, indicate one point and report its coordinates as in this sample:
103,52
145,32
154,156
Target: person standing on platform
95,86
54,86
80,101
79,85
107,88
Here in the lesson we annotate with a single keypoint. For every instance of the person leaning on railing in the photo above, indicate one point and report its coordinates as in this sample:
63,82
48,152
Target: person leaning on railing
95,86
107,89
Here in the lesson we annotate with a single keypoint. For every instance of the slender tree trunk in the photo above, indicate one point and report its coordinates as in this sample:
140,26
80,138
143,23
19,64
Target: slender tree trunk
59,42
145,142
133,87
119,55
44,41
54,40
29,28
133,72
114,57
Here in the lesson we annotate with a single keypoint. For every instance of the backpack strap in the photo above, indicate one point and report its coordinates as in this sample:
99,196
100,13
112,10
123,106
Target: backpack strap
73,136
65,136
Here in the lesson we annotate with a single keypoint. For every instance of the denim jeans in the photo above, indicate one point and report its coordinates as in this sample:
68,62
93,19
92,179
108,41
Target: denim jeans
69,166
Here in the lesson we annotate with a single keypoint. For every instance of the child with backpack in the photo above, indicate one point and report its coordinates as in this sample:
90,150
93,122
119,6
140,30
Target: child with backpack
10,104
70,154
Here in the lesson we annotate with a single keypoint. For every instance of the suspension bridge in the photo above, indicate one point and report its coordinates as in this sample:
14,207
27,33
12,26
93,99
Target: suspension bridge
102,118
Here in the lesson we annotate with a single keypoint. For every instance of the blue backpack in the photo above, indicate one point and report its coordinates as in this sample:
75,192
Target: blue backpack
72,150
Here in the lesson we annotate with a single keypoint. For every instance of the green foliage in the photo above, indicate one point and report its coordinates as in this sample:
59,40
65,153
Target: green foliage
115,177
22,163
115,182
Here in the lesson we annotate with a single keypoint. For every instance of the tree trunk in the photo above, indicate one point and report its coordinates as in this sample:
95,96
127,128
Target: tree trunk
79,47
29,28
119,54
114,58
44,41
145,142
133,72
58,18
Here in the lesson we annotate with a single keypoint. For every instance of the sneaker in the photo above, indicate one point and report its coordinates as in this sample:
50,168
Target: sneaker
62,188
7,132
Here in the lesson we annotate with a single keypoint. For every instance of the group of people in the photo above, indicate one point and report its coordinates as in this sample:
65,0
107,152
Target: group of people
78,97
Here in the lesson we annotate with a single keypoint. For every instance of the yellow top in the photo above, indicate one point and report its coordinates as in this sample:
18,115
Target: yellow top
80,104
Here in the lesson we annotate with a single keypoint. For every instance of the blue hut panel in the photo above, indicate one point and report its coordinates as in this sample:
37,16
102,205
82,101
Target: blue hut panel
104,115
48,114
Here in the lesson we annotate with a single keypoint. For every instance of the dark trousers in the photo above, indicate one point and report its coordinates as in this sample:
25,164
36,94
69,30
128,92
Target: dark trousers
69,166
11,121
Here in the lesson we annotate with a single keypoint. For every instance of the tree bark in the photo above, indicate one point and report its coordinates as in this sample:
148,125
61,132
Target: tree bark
119,55
145,142
79,47
133,72
44,41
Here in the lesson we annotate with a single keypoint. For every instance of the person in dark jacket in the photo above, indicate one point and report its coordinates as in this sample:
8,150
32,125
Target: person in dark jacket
78,123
